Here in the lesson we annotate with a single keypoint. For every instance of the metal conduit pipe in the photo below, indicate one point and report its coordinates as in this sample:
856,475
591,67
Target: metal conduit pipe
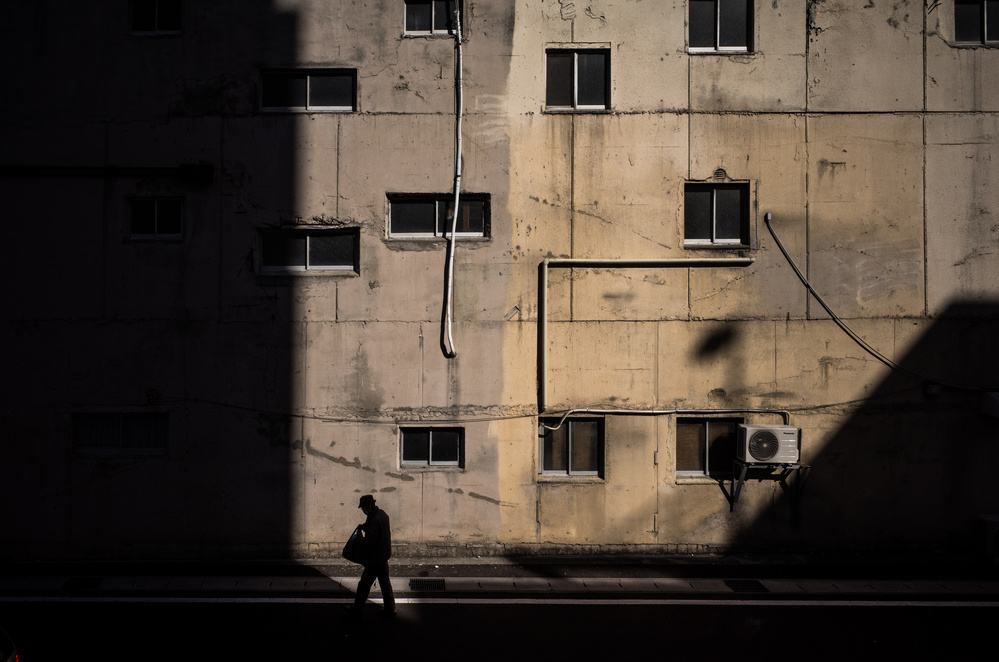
449,351
611,264
785,414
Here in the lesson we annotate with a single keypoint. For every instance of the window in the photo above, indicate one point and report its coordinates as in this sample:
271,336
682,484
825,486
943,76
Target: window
976,21
705,446
155,16
314,89
720,25
432,215
578,79
283,251
574,448
137,433
430,16
716,214
155,218
433,447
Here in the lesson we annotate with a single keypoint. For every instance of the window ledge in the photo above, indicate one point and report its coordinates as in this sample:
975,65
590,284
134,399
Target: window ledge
560,478
701,480
424,468
285,277
710,51
427,35
578,111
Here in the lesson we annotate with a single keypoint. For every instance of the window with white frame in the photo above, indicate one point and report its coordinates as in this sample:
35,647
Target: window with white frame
295,250
154,17
424,17
716,214
308,89
976,21
432,446
573,447
720,25
705,446
117,433
155,218
577,79
432,215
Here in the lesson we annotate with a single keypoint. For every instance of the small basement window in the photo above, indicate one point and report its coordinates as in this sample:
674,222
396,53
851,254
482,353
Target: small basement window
309,89
716,215
155,218
154,17
577,79
114,433
574,448
432,446
425,17
432,215
976,21
720,25
706,446
295,250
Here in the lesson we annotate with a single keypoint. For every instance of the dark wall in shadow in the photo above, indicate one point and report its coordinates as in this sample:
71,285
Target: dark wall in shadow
169,343
913,468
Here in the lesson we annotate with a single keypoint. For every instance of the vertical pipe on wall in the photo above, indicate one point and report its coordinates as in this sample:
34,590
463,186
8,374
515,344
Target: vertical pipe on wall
449,351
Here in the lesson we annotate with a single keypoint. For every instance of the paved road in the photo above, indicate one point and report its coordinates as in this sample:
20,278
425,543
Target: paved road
490,612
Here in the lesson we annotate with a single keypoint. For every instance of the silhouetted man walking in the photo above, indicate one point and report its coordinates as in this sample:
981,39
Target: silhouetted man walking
378,550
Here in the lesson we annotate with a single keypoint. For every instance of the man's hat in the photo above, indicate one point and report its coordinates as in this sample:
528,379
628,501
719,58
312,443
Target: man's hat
366,500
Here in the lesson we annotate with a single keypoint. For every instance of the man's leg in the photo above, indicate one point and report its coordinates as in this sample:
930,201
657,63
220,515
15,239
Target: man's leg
364,587
385,584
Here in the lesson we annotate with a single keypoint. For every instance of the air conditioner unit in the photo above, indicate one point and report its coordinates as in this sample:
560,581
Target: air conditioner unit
767,444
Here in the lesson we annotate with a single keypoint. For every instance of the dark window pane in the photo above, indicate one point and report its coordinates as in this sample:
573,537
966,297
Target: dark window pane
412,217
560,76
280,249
331,90
283,90
992,20
697,212
702,23
416,446
968,20
143,15
336,250
592,73
730,207
168,216
690,447
143,217
445,446
144,430
97,430
470,220
418,16
733,23
721,447
168,15
585,446
553,449
443,16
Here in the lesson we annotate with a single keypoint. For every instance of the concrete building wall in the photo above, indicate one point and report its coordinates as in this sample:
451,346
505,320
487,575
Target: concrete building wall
864,130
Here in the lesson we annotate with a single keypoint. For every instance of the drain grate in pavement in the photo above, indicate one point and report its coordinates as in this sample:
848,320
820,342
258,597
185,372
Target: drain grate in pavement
746,586
426,584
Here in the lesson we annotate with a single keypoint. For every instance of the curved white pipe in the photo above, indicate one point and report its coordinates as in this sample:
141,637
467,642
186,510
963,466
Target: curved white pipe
449,351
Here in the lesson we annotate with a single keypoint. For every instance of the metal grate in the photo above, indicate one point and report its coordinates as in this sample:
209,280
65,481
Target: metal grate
426,584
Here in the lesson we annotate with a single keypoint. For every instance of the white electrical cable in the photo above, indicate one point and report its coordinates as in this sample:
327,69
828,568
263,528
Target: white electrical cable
449,351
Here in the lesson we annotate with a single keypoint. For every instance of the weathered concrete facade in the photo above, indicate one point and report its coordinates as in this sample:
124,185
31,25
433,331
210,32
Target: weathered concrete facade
865,130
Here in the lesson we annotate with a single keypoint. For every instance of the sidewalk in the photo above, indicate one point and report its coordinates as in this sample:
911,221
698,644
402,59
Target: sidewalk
335,580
